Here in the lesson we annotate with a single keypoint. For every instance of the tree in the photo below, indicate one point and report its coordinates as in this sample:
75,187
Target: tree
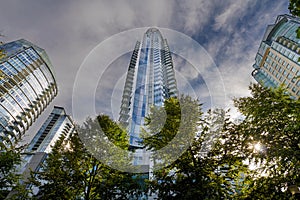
72,172
10,157
269,139
203,170
294,7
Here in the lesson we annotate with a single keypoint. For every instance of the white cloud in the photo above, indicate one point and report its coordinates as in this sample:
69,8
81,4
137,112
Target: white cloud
232,13
194,16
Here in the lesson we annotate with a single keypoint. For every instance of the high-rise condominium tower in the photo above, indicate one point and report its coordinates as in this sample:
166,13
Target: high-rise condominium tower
277,60
56,125
27,86
150,80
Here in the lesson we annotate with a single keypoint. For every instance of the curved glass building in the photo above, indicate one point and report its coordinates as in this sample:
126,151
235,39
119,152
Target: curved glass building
277,60
27,86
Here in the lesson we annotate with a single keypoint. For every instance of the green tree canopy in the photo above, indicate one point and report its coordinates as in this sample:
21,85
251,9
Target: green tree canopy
72,172
203,171
9,159
294,7
269,139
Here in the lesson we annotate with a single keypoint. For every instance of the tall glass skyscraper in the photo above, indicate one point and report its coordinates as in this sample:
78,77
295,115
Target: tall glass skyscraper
277,60
150,80
27,86
56,125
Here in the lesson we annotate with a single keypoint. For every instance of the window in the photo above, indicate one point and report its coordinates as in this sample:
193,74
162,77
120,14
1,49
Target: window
273,64
283,63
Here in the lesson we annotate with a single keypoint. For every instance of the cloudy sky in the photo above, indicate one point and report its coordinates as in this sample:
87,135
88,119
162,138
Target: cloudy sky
227,32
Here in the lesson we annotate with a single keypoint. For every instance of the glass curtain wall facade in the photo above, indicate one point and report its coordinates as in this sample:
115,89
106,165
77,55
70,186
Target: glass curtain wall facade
277,60
27,86
150,80
56,125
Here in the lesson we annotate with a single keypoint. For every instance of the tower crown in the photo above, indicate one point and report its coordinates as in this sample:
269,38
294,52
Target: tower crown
153,30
